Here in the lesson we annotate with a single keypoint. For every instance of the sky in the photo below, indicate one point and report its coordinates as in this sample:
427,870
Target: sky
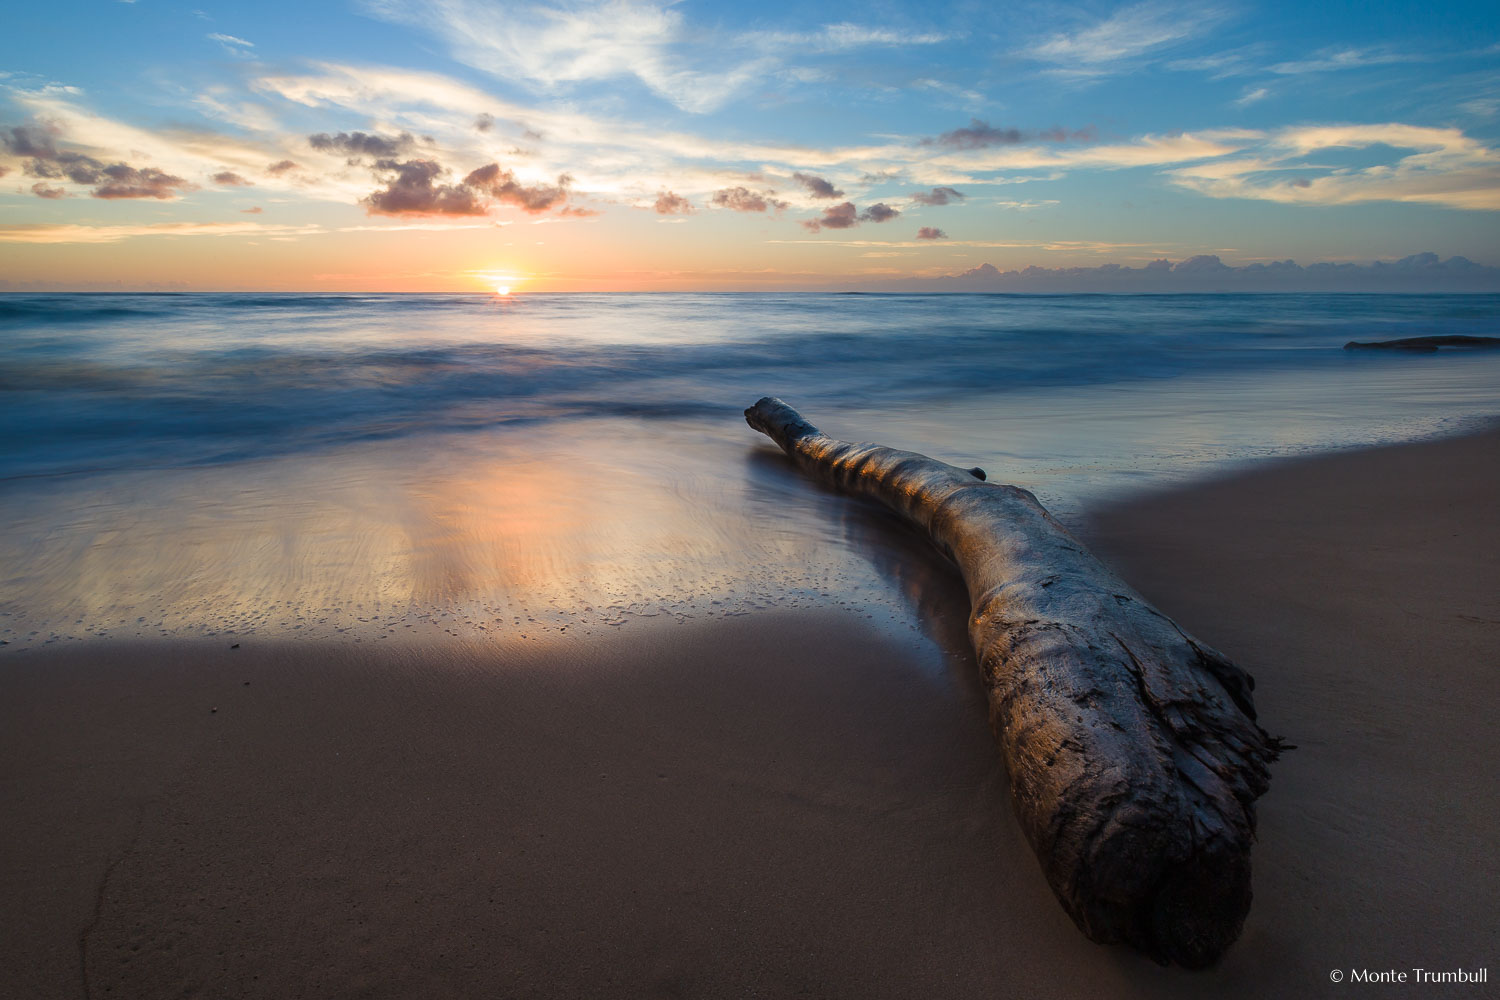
458,145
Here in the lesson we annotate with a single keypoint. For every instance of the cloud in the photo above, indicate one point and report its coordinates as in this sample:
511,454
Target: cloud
1437,166
978,135
254,210
937,196
964,94
981,135
502,186
551,46
31,140
844,216
740,199
281,167
879,212
841,37
1022,206
1332,59
484,121
1249,97
110,181
229,178
1128,34
668,203
182,151
817,186
426,99
435,226
1147,150
73,233
41,190
124,181
409,190
75,167
237,47
1220,65
931,233
357,144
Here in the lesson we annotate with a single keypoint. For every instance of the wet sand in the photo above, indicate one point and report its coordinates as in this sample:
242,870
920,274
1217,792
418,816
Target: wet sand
782,803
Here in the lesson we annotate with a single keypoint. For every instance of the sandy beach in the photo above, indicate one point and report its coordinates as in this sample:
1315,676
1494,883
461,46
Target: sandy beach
786,803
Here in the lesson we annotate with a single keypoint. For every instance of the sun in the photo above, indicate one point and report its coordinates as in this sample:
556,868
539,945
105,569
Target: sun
502,290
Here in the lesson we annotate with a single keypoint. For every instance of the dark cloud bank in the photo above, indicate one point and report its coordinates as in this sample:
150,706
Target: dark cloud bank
1423,272
846,216
357,144
937,196
817,186
416,187
741,199
46,162
981,134
671,203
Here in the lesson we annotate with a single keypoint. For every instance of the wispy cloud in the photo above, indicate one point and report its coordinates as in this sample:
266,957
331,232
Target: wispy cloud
1240,61
1129,34
1331,60
1025,206
550,46
965,95
1437,166
1147,150
434,226
77,233
237,47
842,37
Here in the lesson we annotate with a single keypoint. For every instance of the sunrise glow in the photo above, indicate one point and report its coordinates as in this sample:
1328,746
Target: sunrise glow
647,146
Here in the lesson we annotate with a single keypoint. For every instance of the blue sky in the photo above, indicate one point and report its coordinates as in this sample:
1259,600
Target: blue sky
451,143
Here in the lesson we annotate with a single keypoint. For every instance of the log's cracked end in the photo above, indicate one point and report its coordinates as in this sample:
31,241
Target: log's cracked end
1198,911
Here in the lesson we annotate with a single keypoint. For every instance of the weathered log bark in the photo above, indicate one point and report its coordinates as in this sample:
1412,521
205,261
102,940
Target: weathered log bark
1133,753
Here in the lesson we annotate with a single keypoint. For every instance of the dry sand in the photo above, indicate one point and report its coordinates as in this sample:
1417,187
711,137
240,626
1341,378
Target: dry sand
776,805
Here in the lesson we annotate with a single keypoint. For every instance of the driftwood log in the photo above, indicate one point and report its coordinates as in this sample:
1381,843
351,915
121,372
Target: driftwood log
1132,749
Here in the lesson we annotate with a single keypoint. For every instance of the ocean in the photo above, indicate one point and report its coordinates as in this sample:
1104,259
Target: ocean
487,469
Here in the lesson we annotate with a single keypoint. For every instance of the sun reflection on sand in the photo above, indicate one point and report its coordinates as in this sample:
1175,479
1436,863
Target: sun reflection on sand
519,536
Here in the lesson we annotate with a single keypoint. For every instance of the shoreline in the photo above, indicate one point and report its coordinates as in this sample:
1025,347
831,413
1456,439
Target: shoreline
776,803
